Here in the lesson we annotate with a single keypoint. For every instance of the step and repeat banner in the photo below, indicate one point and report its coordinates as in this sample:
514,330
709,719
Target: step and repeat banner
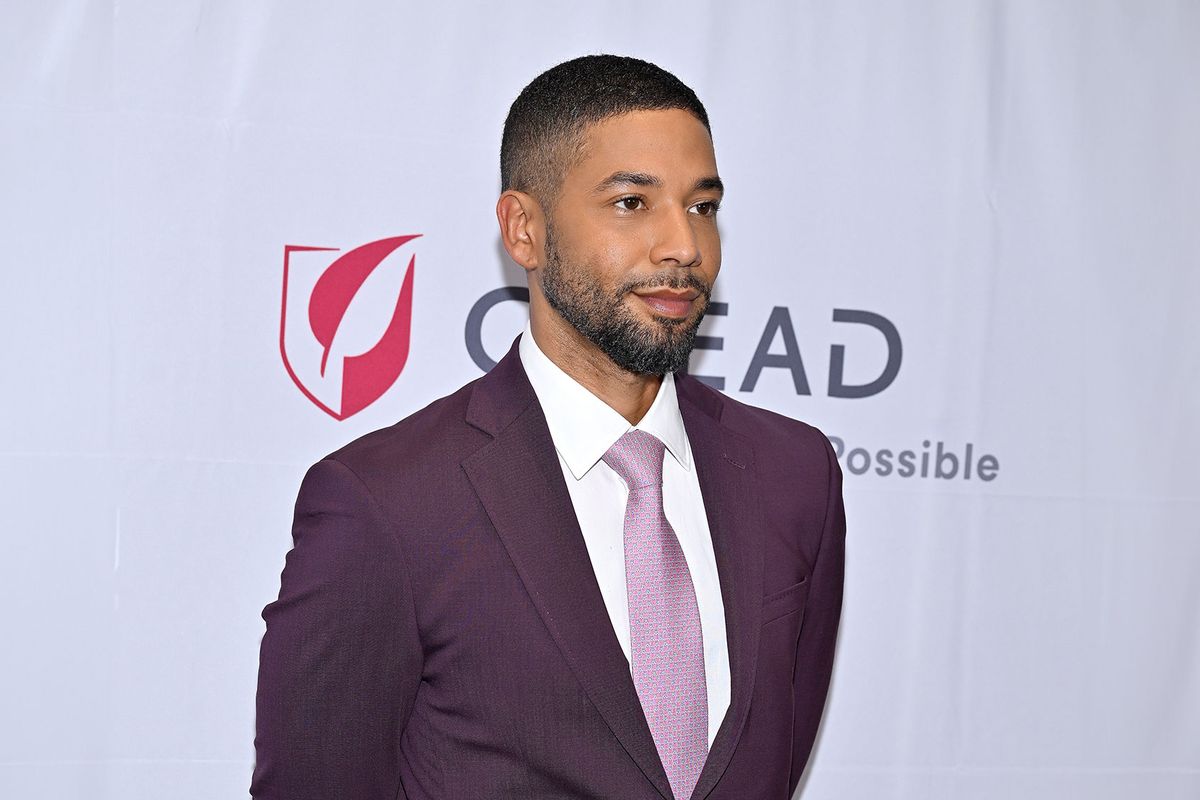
962,238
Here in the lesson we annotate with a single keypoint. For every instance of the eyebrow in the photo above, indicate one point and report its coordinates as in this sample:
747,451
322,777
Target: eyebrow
711,183
627,179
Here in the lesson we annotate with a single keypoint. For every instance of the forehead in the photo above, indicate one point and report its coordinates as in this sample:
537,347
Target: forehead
671,144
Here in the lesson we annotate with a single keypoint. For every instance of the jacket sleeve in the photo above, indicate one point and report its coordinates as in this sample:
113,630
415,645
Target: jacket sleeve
341,659
818,634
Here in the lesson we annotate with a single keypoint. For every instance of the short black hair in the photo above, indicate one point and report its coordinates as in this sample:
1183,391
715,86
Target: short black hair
547,122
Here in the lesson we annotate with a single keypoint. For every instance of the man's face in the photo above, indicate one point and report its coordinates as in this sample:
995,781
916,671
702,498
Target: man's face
632,248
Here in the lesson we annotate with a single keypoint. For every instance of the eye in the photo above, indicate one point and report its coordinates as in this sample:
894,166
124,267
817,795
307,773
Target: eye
707,208
630,203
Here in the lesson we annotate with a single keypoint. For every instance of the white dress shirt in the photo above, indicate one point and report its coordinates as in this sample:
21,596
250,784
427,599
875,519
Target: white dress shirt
583,427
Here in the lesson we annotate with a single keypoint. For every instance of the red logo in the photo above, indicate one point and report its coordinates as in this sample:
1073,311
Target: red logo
345,326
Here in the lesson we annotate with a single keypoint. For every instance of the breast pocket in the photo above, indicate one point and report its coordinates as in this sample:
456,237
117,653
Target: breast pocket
784,602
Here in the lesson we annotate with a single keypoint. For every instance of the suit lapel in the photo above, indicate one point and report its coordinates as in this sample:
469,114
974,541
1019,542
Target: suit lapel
725,468
520,484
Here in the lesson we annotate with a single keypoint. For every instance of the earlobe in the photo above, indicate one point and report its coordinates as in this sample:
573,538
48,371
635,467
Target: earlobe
518,214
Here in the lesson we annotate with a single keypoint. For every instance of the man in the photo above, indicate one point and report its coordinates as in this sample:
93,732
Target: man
585,574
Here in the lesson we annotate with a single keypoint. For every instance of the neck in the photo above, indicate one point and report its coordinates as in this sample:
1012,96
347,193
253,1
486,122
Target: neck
629,394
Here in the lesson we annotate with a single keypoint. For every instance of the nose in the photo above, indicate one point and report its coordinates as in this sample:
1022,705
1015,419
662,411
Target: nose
675,242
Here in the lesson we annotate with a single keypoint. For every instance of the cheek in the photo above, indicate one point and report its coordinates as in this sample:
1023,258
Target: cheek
607,251
710,249
620,258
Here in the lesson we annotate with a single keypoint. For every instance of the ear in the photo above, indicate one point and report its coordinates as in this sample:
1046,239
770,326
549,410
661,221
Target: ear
521,227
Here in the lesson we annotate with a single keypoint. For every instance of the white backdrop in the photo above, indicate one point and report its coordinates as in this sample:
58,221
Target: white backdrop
1013,187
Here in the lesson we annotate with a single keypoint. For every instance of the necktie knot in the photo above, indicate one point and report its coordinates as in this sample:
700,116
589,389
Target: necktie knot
638,458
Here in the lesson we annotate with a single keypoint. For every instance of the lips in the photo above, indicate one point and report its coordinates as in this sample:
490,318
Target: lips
669,302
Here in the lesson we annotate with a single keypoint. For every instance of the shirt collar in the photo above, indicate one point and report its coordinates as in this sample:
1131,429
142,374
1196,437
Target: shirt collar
583,426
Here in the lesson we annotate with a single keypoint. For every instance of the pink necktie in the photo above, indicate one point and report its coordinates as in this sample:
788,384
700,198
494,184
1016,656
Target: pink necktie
667,645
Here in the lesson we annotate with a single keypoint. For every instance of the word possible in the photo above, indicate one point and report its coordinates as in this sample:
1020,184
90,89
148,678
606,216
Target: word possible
945,463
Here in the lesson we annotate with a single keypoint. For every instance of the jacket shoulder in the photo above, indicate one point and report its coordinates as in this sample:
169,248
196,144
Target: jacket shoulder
428,441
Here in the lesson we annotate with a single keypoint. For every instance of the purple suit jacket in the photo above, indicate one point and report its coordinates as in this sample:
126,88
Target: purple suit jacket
440,634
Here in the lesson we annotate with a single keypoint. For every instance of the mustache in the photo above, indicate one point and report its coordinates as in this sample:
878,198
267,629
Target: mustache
687,280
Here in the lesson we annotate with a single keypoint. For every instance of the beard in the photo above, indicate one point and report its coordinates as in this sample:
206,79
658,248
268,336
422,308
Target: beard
645,348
